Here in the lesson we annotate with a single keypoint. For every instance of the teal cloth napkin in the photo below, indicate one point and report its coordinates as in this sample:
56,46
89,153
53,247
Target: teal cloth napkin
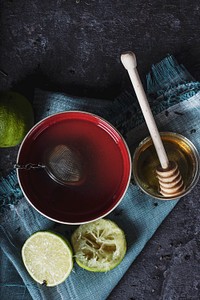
174,98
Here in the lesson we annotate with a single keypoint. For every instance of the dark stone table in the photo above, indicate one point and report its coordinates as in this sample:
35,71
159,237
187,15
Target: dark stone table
75,47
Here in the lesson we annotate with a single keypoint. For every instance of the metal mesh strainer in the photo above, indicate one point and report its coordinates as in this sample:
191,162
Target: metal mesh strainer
63,164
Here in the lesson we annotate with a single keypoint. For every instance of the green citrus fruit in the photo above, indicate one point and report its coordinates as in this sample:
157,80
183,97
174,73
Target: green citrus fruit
16,118
47,257
99,246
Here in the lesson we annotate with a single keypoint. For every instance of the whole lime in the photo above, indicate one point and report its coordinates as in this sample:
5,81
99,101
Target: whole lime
16,118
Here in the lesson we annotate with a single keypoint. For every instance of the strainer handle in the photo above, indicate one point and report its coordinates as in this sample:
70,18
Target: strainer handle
29,166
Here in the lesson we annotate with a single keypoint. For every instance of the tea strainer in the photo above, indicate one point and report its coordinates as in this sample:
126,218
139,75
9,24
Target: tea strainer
62,163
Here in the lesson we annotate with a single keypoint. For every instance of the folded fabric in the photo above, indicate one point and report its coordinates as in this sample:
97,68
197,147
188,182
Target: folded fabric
171,88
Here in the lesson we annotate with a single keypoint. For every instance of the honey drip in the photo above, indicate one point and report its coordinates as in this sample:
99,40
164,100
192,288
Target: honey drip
170,180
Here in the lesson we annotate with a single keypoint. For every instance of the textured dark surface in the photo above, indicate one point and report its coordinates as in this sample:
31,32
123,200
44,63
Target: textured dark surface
75,46
169,266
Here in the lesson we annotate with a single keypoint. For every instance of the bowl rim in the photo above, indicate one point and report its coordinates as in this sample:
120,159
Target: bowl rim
129,159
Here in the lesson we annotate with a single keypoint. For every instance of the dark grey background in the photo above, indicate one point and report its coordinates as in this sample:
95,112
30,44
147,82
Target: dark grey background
75,47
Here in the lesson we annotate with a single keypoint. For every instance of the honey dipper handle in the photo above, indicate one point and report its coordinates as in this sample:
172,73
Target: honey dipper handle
128,59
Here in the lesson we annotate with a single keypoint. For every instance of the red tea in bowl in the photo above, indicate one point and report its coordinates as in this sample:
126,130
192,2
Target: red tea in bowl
107,167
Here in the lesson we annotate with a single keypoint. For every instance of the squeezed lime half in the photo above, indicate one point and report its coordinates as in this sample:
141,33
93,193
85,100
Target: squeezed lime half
47,258
99,246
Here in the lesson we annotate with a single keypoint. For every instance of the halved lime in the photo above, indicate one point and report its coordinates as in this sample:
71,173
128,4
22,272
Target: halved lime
47,257
99,246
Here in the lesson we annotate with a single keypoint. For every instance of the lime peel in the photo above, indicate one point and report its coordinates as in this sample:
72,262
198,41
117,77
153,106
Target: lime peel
16,118
47,257
99,246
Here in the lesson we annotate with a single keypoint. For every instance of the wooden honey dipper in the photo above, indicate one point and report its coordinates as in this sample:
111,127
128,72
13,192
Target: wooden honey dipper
169,177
